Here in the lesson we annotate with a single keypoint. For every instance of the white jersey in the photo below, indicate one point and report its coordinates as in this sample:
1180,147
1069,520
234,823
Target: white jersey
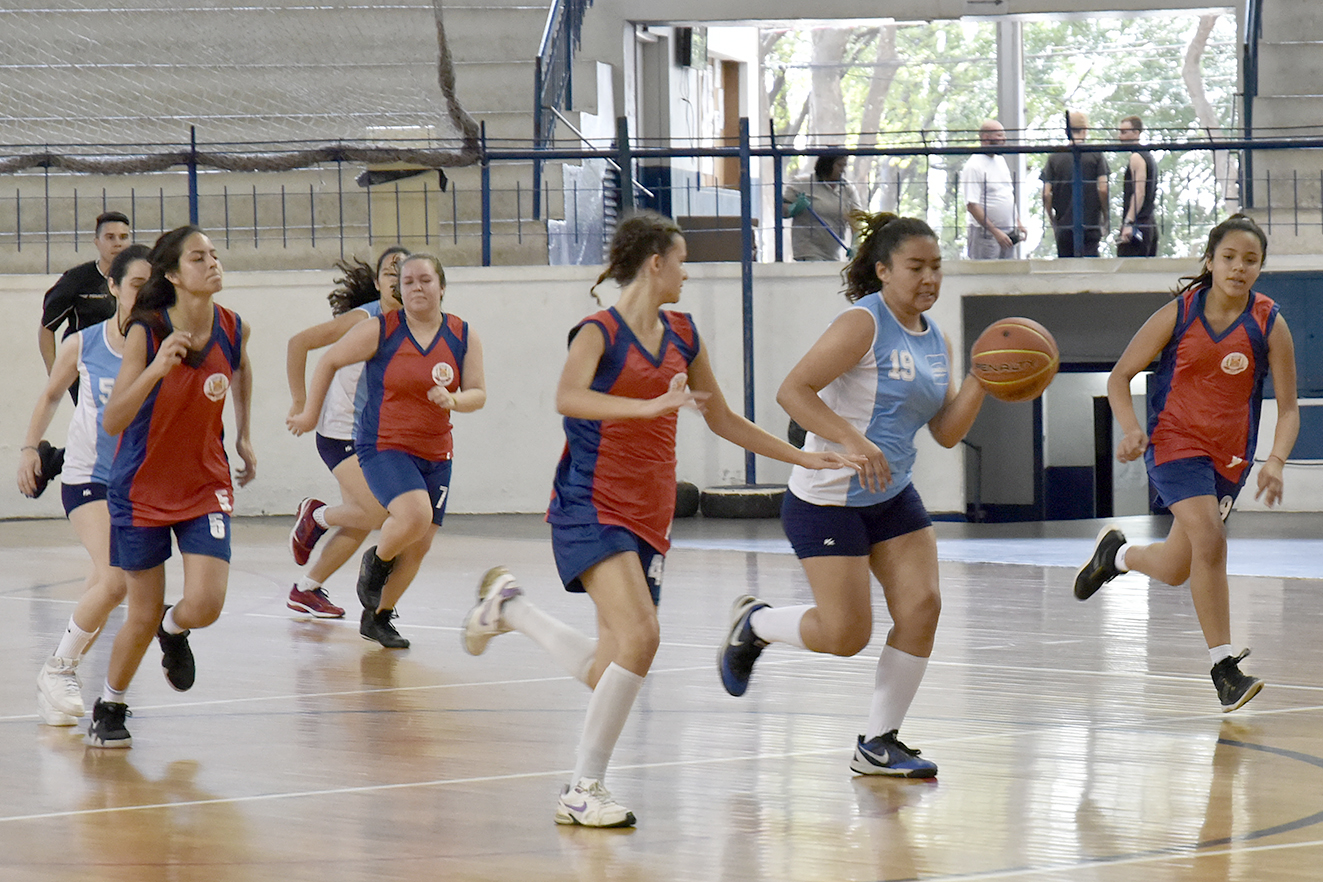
891,393
88,450
337,417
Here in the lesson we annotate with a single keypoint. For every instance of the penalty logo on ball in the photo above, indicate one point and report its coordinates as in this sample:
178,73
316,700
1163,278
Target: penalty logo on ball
442,374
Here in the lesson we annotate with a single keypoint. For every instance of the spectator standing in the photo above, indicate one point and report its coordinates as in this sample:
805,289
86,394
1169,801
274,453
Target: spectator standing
1138,236
819,209
989,193
1058,196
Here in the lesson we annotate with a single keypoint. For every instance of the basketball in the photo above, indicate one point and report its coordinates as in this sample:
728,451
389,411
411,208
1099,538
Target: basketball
1015,359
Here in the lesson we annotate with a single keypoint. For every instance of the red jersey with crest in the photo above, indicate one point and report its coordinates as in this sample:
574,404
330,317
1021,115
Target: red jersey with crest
1207,393
392,407
170,465
622,472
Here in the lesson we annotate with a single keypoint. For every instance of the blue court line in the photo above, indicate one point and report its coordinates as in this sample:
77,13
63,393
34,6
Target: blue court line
1272,558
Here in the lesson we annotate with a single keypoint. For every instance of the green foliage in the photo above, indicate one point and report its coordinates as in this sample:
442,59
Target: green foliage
946,84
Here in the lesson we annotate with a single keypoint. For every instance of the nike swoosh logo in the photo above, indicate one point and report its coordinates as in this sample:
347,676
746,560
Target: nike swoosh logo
578,808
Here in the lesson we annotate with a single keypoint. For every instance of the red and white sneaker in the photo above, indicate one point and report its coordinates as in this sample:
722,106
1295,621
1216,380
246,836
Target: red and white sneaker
314,603
303,538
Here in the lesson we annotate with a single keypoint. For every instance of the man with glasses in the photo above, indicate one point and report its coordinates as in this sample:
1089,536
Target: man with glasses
1058,195
1138,236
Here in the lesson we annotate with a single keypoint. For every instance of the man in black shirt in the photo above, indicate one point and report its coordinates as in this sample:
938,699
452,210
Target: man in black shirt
81,297
1058,196
1138,236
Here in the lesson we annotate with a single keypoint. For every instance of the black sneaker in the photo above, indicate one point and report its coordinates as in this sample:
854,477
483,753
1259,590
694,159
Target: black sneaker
176,658
107,728
372,575
1234,689
1101,568
377,626
52,463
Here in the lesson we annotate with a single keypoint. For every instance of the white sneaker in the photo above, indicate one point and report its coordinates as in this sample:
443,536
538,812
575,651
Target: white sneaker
589,804
49,715
484,621
59,684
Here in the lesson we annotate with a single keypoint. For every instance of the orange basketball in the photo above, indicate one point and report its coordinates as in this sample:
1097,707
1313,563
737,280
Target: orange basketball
1015,359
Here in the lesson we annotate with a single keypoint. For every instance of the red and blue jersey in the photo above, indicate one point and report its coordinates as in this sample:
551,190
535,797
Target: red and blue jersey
622,472
1207,392
393,410
170,465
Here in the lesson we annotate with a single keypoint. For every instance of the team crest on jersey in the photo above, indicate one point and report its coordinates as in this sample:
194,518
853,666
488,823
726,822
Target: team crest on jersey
442,373
216,386
1235,363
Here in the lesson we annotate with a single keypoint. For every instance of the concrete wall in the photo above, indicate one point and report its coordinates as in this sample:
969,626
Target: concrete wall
505,454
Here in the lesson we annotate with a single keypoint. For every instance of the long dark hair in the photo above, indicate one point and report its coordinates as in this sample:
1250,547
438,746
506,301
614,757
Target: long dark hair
637,238
158,293
358,285
1237,222
879,236
120,265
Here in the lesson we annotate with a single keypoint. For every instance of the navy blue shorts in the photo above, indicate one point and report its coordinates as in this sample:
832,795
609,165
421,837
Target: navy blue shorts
334,451
850,531
1187,478
142,548
580,547
74,495
392,473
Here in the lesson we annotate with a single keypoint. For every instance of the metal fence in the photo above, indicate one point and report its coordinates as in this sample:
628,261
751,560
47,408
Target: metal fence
487,214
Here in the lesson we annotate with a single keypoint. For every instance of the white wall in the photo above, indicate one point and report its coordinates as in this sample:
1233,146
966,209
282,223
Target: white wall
505,454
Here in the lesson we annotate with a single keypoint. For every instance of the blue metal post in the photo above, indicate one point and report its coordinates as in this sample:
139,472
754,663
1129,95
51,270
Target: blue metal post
486,200
193,175
626,166
777,184
746,285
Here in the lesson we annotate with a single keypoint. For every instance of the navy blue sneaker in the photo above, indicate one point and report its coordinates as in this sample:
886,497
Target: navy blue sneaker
742,647
372,575
107,728
886,755
1101,568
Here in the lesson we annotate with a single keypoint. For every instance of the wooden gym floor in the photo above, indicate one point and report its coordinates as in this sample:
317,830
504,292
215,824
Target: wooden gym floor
1075,741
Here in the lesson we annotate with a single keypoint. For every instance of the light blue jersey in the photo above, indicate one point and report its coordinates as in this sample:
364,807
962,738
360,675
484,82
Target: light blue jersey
88,449
337,417
894,390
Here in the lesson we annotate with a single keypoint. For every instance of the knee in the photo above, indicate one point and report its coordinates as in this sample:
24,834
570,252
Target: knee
641,642
918,612
846,636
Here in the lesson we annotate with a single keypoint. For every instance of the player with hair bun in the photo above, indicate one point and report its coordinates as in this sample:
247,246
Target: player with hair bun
361,293
879,374
630,369
1215,344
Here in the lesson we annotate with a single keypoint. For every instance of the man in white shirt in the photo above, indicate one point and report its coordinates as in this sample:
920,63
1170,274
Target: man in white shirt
989,194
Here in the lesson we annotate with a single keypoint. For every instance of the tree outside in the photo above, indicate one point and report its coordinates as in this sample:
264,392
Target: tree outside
926,85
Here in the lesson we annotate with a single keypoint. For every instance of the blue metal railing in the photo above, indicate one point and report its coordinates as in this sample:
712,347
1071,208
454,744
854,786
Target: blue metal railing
1253,33
553,77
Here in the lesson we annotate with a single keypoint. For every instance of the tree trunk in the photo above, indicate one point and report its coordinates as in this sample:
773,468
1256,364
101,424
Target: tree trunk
827,124
885,65
1192,74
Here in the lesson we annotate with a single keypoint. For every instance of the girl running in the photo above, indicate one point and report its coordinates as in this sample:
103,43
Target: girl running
879,374
91,357
421,364
630,369
1217,342
362,294
183,356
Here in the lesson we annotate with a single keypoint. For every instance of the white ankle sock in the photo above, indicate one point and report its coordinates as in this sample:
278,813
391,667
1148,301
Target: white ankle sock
1217,653
308,584
895,683
169,625
607,711
780,624
109,693
1120,558
568,648
319,517
74,642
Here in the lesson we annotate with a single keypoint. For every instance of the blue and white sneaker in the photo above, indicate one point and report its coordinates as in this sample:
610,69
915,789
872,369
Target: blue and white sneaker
736,656
887,755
